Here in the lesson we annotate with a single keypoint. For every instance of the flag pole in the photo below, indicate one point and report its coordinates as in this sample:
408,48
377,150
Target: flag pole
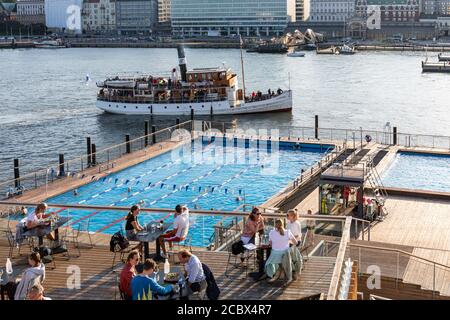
242,66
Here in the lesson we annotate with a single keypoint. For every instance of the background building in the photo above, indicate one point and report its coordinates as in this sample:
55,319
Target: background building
228,17
331,10
136,16
99,16
391,10
299,10
8,12
164,8
31,11
435,8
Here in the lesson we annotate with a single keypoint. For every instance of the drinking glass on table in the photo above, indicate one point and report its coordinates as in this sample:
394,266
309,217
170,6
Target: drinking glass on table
153,228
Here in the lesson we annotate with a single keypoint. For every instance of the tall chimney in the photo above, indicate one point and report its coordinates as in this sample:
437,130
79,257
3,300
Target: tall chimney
182,62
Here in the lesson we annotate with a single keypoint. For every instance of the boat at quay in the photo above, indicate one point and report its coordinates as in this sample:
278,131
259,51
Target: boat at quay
202,91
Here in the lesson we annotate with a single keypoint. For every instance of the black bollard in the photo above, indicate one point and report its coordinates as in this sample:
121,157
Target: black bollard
61,165
89,150
153,134
192,114
316,126
127,141
146,129
16,174
178,123
94,157
394,136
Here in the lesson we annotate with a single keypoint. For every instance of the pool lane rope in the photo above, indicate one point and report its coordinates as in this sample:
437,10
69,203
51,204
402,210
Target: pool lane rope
183,186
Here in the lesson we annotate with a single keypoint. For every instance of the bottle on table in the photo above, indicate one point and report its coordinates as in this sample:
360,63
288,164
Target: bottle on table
166,267
9,268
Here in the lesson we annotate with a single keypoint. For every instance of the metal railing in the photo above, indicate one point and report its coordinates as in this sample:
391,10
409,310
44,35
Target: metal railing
399,265
97,162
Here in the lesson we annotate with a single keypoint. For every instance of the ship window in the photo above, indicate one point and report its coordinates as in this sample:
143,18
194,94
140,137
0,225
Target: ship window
125,107
148,107
136,107
110,105
190,107
165,107
178,107
203,106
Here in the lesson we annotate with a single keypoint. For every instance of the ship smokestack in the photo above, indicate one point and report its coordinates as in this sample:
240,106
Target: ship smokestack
182,62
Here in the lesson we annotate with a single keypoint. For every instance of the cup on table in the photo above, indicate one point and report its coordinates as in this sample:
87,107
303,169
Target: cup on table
153,226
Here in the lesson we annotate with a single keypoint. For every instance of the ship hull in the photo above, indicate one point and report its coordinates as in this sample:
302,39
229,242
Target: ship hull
279,103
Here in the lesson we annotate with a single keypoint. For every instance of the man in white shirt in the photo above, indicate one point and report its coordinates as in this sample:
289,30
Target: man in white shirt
196,279
179,231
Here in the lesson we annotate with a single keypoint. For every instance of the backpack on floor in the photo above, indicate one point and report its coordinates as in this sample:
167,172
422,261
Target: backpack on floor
237,247
118,242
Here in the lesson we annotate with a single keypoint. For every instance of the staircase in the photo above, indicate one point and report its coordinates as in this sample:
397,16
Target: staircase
374,181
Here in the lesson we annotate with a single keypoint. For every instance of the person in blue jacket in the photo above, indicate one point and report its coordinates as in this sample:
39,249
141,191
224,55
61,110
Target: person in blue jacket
144,287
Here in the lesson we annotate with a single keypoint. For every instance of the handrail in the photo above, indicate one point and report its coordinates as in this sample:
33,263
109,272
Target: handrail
394,250
97,152
165,210
334,285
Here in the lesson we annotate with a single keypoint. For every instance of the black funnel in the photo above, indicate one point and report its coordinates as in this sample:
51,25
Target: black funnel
182,62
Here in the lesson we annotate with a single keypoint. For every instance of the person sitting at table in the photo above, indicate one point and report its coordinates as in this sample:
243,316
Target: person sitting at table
132,226
294,226
127,274
33,219
37,293
35,274
280,240
196,280
144,287
179,231
253,225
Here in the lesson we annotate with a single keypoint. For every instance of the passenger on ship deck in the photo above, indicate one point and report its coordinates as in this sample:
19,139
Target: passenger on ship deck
282,254
144,287
179,231
196,280
253,225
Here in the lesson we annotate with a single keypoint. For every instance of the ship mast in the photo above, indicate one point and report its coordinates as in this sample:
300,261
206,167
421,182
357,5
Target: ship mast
242,65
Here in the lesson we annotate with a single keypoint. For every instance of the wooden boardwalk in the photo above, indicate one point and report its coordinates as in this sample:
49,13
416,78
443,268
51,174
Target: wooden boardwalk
99,281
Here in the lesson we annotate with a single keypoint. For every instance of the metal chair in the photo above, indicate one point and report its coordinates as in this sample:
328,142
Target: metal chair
178,246
244,258
71,235
12,243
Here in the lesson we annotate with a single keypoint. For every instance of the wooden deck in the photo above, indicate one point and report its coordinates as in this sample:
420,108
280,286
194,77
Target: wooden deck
423,225
99,281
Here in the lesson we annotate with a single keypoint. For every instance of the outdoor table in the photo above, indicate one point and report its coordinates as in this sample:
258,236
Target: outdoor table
147,236
42,230
161,281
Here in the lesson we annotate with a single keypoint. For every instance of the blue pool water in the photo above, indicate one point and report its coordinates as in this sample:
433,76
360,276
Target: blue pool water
419,171
202,175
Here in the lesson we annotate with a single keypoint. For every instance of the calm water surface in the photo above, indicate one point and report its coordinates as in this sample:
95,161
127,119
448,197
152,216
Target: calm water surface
47,108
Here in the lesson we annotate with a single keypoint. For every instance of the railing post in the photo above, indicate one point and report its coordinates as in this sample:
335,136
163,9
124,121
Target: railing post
16,174
94,154
153,134
146,129
394,136
316,126
61,165
127,141
89,150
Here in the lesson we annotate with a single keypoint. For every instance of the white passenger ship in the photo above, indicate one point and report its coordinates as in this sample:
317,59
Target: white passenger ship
205,91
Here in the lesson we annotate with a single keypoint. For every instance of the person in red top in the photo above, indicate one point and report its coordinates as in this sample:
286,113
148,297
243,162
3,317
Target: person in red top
127,274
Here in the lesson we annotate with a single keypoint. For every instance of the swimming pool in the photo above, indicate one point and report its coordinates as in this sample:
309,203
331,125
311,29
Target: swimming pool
419,171
203,175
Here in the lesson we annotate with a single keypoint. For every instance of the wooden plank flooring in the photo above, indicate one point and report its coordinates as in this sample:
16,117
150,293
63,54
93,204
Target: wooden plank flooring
98,281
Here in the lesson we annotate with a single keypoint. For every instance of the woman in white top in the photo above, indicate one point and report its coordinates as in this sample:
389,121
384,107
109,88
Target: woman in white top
279,240
294,226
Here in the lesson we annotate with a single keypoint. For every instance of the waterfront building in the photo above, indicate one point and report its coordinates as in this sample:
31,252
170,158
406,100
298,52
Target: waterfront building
31,11
435,8
136,16
8,11
331,10
231,17
443,26
99,15
299,10
391,10
164,8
